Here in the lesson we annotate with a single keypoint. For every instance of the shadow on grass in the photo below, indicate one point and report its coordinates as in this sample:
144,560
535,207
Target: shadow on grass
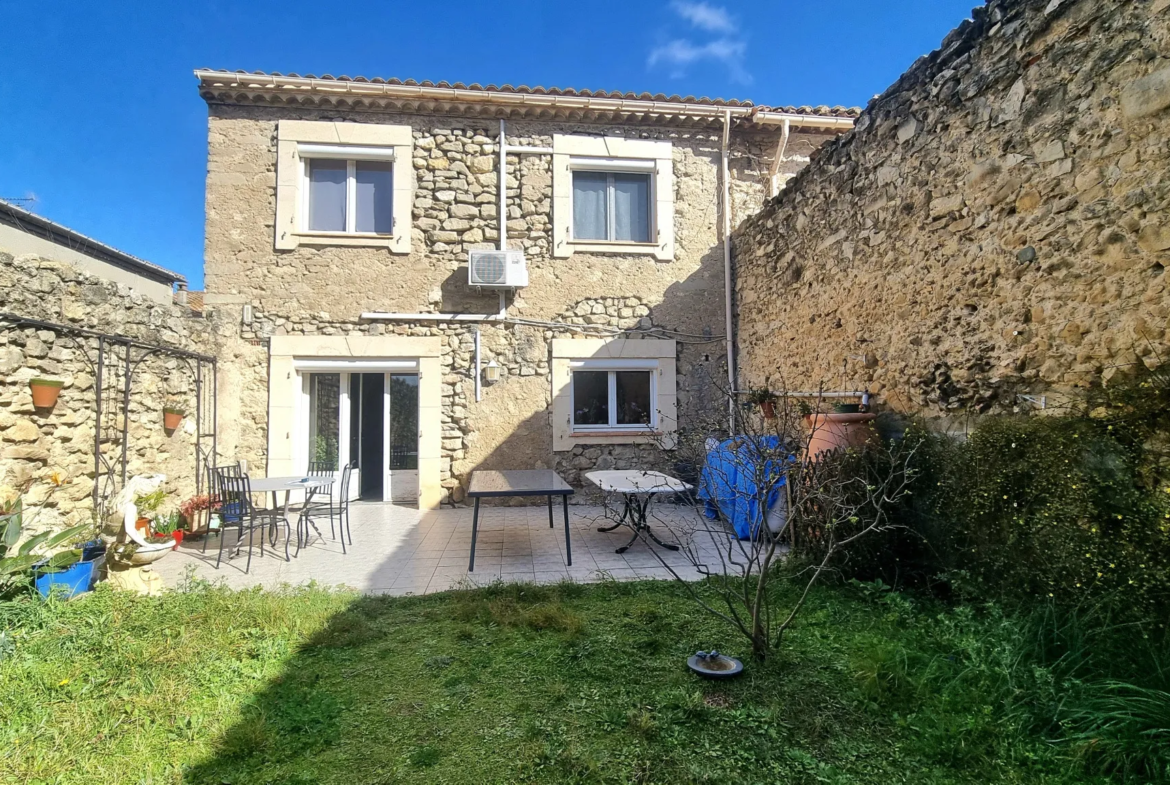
513,682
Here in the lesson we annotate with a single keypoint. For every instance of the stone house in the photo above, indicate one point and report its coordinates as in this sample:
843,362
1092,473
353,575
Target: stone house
341,218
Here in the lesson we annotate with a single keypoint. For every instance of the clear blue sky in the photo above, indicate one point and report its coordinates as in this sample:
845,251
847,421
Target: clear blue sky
101,121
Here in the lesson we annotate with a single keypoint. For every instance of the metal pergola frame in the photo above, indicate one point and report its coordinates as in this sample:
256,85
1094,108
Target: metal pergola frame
120,353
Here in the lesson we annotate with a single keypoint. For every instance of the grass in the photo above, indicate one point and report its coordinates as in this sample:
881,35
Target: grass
512,683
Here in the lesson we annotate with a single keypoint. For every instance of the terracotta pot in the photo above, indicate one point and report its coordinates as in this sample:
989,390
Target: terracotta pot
197,523
769,409
836,431
143,525
45,392
171,419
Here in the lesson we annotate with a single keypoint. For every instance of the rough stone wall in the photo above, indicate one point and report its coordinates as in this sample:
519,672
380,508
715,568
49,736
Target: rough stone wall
35,444
323,290
996,224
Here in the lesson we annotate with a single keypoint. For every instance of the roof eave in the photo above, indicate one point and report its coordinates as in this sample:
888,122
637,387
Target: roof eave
212,82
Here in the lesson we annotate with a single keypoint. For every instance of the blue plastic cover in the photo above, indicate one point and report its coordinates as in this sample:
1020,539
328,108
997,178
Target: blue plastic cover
738,474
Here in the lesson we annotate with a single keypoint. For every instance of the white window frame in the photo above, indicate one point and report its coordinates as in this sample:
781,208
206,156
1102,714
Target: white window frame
573,153
611,367
298,141
610,167
352,156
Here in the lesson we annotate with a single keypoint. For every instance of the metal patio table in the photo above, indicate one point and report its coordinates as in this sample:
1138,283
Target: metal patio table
274,485
519,482
638,488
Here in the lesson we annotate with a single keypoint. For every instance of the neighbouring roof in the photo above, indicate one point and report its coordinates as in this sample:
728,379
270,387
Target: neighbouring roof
192,299
374,94
38,226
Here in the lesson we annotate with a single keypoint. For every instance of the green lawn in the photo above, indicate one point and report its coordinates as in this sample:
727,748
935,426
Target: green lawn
507,684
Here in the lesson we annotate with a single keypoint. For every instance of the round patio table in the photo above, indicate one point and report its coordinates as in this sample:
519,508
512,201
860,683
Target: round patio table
274,485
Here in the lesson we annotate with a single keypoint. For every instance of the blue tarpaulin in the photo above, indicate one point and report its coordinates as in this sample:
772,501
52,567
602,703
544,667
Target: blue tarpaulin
733,482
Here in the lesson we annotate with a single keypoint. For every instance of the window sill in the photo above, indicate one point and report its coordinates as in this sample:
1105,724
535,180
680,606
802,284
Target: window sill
660,251
345,239
580,434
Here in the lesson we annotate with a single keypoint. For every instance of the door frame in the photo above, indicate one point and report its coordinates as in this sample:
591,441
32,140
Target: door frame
275,448
345,368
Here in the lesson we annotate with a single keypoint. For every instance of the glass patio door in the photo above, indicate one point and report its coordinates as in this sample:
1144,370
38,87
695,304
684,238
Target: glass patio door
367,420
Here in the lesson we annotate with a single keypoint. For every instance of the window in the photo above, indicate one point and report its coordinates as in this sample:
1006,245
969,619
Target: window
612,195
349,196
337,185
611,206
613,400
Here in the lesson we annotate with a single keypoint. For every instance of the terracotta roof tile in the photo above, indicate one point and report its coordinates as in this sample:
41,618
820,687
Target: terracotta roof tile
824,111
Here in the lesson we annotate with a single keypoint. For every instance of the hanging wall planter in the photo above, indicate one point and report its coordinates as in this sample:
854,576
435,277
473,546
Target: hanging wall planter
45,392
172,418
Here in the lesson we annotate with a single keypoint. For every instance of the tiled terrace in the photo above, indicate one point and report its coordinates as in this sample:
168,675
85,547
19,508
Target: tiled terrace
398,550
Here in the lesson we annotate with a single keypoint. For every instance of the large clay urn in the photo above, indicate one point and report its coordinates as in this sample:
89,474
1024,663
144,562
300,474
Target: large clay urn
837,431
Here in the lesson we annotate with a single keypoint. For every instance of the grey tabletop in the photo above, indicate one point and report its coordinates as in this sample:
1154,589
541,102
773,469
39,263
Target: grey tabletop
518,482
266,484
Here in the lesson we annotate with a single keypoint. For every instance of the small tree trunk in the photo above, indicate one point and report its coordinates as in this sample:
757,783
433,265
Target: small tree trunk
761,646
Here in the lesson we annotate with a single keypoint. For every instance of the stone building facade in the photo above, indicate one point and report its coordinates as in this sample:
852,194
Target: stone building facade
997,224
308,305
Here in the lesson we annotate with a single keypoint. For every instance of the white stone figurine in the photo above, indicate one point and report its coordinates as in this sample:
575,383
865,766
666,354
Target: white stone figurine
145,552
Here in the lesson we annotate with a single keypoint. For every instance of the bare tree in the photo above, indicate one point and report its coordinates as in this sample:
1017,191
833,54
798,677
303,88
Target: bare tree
759,463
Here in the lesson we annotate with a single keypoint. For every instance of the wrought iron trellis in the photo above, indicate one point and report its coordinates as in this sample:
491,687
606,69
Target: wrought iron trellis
113,360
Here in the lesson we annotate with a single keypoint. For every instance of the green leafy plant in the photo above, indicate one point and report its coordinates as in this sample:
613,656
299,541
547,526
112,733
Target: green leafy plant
149,502
17,559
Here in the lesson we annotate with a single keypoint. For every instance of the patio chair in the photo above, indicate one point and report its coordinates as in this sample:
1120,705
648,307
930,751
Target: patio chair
336,508
228,511
246,516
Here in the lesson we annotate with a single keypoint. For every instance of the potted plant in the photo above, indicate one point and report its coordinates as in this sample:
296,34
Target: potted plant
766,400
168,526
195,512
172,417
45,392
42,554
148,504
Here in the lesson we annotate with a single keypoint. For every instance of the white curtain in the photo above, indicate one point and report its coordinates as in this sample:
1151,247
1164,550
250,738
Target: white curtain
375,189
589,211
327,195
632,207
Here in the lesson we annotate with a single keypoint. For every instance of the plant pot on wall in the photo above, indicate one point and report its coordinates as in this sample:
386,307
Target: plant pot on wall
172,418
45,392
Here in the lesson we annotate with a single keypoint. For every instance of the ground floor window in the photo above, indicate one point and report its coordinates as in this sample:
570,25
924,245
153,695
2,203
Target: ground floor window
619,400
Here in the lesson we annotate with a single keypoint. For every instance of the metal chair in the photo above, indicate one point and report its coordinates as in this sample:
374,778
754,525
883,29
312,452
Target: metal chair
335,508
237,496
227,511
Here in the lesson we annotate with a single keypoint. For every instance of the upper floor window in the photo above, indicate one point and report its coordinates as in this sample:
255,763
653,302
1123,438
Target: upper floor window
348,195
612,206
613,195
343,183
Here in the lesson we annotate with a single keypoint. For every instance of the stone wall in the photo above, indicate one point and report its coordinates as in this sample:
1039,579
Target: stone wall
35,443
323,290
995,225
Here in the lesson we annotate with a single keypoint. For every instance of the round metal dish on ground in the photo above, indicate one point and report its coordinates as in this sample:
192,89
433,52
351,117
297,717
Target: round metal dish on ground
714,665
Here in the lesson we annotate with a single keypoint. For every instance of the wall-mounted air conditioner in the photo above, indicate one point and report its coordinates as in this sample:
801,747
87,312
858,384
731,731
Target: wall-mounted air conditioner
497,269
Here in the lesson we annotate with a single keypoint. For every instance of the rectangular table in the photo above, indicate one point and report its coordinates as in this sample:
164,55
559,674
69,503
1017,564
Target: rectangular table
519,482
638,488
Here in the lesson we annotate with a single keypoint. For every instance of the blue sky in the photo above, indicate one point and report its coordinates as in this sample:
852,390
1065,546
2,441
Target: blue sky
100,119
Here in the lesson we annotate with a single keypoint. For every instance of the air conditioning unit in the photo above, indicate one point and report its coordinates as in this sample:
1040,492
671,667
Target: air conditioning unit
497,269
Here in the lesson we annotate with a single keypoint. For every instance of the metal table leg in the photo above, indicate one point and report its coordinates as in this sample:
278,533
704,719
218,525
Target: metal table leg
622,520
568,546
474,532
638,512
